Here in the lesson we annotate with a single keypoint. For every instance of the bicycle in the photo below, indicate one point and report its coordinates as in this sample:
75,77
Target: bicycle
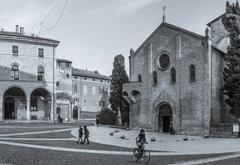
144,156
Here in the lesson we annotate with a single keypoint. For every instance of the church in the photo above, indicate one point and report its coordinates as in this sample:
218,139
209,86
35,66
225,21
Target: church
176,81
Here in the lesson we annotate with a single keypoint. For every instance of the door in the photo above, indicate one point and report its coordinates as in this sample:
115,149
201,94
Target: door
166,123
75,113
9,108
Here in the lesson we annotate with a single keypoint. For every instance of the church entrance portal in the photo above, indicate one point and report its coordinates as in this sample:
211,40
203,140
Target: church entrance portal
164,118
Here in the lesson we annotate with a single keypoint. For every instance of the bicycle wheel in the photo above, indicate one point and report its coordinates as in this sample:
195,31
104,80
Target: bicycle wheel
135,154
146,157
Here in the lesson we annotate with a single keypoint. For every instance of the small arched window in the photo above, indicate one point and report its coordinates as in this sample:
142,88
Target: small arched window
40,75
154,74
192,73
139,78
15,72
173,76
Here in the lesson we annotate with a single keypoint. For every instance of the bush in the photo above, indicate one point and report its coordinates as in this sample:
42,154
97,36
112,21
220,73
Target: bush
107,117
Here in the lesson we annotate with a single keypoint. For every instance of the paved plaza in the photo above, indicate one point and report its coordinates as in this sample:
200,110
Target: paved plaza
167,144
56,144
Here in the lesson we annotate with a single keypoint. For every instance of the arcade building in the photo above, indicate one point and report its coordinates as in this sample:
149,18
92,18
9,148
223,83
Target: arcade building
26,76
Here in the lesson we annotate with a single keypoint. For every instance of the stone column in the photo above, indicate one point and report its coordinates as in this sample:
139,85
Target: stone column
52,109
28,108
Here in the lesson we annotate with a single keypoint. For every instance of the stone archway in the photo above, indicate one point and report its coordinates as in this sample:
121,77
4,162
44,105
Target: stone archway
75,112
165,116
40,104
14,104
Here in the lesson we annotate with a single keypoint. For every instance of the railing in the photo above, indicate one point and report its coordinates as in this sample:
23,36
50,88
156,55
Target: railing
224,129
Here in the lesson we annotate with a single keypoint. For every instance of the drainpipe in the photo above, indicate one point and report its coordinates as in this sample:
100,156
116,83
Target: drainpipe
54,101
81,99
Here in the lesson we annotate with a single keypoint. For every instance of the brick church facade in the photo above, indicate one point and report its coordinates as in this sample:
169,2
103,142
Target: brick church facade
176,78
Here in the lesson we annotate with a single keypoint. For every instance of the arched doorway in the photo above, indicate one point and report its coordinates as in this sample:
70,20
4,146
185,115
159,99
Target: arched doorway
75,112
165,117
14,104
40,104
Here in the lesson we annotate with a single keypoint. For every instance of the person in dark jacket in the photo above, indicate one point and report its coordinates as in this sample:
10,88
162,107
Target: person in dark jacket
141,141
80,135
86,135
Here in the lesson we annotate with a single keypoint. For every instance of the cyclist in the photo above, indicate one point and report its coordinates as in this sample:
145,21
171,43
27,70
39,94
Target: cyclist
140,141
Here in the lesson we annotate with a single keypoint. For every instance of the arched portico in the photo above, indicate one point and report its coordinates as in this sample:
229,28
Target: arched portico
40,104
14,104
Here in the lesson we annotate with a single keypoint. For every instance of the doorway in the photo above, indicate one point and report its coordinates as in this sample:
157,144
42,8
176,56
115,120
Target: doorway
75,112
9,108
166,123
164,118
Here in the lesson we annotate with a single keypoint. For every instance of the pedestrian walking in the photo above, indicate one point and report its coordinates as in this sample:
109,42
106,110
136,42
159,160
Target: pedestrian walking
86,135
59,119
97,120
80,135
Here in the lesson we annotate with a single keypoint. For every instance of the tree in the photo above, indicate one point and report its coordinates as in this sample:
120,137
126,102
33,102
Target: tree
231,71
119,77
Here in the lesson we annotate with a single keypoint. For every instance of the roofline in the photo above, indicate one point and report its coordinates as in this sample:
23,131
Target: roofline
63,60
169,26
13,37
106,77
91,76
209,24
215,48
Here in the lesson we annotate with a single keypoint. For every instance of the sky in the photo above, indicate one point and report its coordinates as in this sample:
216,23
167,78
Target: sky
92,32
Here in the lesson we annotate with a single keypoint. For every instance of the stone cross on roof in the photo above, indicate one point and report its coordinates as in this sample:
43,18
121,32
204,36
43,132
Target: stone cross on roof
164,13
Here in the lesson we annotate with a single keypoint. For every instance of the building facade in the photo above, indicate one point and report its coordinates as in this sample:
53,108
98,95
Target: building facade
26,76
176,80
83,92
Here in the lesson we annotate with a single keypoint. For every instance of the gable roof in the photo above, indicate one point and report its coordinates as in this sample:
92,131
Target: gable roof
209,24
164,24
89,74
218,50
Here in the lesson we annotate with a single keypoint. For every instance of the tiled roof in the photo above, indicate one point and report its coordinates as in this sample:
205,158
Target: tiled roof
209,24
64,60
89,74
7,35
164,24
215,48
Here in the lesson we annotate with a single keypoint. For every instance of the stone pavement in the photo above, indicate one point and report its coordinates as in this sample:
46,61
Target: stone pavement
167,144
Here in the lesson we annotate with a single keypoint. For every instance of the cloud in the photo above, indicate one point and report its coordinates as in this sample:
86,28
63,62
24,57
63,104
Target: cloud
123,7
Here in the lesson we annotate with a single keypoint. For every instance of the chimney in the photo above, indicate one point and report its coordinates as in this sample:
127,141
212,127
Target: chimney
17,28
22,30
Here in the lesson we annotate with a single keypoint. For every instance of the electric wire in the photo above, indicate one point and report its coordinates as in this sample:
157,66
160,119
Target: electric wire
43,17
58,20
